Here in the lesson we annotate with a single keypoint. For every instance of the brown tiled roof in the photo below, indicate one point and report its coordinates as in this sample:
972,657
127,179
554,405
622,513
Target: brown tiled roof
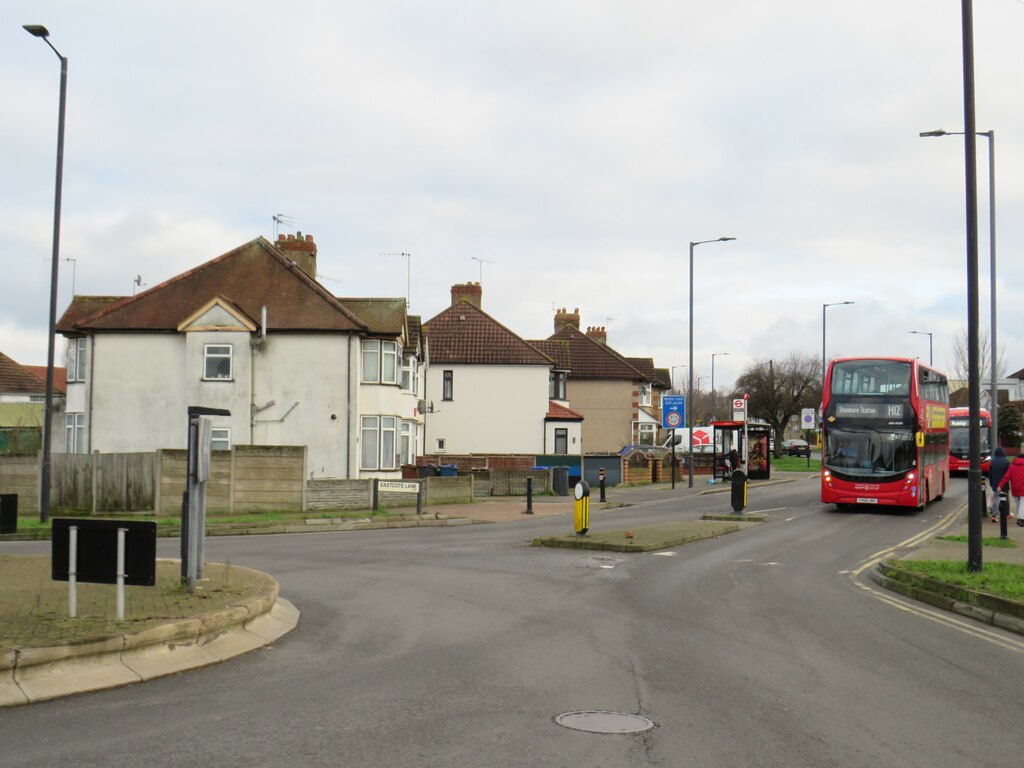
381,316
16,379
1018,375
587,359
60,377
557,351
466,334
251,276
82,307
663,378
558,412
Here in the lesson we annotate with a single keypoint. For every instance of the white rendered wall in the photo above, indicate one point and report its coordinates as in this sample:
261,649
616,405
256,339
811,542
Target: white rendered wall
496,409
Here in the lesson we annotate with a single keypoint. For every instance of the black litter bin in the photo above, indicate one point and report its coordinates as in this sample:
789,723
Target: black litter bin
739,490
560,480
8,513
428,470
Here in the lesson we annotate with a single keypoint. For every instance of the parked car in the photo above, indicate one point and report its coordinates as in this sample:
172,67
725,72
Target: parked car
796,448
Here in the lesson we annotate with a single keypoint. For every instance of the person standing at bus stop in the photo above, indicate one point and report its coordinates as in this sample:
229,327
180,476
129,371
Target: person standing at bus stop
1014,477
997,469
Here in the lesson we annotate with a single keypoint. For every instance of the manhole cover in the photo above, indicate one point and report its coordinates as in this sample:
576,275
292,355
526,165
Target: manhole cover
598,721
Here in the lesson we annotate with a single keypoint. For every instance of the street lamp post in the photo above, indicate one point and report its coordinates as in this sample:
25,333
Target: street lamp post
713,356
672,371
929,335
689,393
44,489
993,374
823,308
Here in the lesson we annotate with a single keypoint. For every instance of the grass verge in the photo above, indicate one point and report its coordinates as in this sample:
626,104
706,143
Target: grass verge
987,541
1001,579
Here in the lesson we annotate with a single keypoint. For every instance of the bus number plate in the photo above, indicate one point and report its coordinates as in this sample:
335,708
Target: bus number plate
867,501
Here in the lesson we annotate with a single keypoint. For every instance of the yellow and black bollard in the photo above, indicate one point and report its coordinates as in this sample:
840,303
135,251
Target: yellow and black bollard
581,508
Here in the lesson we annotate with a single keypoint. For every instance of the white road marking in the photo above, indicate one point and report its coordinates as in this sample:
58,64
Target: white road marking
664,554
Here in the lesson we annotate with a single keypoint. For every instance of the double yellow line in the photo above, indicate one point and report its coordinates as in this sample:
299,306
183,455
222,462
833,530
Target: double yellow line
939,617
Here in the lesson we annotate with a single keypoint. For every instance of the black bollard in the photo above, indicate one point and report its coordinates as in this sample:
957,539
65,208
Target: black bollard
1004,508
529,496
600,477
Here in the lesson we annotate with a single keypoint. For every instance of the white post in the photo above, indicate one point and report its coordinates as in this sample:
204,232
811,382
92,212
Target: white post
72,571
120,573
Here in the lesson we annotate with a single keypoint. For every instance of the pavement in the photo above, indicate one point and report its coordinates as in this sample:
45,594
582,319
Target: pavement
44,655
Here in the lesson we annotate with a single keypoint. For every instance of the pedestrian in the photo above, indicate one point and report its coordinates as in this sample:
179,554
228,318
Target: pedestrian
996,471
734,460
1014,477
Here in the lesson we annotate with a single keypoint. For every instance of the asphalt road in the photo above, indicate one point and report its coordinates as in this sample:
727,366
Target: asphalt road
459,646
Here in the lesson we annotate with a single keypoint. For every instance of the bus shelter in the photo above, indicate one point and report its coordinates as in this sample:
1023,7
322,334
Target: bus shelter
729,436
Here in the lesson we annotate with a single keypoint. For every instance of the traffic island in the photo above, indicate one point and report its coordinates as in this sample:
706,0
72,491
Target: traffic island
649,537
44,654
752,517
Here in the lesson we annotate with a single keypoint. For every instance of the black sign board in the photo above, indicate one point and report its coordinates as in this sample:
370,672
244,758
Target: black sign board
97,551
8,513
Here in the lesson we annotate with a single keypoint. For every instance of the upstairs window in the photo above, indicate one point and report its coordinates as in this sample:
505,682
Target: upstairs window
556,385
448,385
371,361
380,362
76,359
217,362
409,375
644,397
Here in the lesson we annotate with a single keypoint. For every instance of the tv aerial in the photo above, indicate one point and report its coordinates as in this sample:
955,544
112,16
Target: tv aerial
482,262
282,219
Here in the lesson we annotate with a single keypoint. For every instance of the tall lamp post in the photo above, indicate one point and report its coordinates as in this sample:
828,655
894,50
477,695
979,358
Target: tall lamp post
672,371
993,374
823,308
713,356
689,393
44,490
929,335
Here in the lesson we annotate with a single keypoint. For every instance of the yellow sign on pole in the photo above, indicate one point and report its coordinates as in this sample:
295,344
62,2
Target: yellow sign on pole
581,508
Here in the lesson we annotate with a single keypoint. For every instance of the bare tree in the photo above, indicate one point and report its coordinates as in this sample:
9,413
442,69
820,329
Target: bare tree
960,366
780,390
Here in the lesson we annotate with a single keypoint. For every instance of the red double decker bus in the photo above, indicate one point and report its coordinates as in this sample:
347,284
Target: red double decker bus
885,432
960,438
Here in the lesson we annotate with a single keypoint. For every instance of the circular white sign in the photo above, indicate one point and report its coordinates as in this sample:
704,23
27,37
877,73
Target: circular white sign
674,419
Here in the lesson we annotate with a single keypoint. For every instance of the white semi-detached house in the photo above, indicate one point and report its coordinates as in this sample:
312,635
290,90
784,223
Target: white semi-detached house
489,389
253,332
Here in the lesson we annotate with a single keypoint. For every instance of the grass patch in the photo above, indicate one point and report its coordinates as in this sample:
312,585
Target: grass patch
256,519
987,541
795,464
1002,579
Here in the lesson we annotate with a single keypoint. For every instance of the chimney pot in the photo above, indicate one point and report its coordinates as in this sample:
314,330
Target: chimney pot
563,318
301,250
468,292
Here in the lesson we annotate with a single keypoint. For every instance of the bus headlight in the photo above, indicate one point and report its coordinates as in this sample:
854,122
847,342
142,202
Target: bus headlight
826,475
911,477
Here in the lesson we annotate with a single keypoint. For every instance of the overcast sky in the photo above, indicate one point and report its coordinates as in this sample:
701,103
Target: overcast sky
575,148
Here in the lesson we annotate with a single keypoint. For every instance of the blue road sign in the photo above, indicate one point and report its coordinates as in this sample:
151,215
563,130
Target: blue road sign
673,411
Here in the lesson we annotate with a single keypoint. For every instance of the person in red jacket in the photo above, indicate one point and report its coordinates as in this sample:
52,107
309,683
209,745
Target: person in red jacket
1015,478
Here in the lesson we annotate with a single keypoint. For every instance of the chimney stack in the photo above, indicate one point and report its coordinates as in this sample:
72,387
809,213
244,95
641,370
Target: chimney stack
563,318
301,250
471,292
598,334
